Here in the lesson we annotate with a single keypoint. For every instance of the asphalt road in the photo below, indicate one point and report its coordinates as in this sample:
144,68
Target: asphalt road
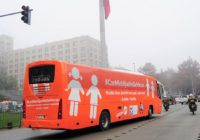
176,124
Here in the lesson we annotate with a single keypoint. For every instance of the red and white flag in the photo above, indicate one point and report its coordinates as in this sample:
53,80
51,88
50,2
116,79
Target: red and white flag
106,8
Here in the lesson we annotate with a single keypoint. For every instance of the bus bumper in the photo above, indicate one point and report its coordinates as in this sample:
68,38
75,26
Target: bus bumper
42,124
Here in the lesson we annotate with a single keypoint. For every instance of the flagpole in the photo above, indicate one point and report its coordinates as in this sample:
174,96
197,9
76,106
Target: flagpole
104,60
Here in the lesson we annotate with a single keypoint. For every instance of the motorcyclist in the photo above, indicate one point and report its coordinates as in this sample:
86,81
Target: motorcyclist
192,100
166,101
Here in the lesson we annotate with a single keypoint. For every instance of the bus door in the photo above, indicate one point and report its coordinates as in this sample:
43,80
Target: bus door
160,92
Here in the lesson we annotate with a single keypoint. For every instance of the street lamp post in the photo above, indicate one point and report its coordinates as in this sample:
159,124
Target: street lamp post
133,67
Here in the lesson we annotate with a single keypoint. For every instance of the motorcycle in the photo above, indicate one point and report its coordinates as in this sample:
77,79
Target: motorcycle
193,108
166,106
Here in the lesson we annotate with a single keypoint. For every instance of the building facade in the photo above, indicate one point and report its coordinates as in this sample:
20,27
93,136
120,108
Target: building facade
6,45
80,50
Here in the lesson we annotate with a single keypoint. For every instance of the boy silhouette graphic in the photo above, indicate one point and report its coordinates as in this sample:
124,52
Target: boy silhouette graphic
94,91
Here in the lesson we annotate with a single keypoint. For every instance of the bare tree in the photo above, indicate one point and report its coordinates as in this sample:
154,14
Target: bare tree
188,75
169,79
148,69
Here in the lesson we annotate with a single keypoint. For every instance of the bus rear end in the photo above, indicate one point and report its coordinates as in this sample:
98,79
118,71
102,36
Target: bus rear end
42,96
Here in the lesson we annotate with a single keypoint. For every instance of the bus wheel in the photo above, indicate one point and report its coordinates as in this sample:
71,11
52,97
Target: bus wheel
149,113
104,121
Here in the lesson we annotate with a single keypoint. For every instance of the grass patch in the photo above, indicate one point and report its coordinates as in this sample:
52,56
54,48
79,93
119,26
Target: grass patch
14,118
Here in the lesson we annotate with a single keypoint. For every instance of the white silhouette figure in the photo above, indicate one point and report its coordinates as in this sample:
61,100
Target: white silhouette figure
94,91
141,108
152,89
75,87
125,110
148,87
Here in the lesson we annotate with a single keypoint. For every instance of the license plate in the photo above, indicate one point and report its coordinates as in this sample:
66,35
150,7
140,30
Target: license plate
41,116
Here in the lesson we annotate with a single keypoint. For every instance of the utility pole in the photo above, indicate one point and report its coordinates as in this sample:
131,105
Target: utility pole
192,87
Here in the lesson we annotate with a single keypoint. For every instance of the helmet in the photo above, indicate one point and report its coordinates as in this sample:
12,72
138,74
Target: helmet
190,95
165,96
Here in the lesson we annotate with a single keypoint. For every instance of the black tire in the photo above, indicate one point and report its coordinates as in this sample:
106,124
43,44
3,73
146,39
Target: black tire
193,112
104,121
150,113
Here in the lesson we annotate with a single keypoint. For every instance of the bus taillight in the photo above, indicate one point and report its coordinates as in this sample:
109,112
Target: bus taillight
60,109
24,109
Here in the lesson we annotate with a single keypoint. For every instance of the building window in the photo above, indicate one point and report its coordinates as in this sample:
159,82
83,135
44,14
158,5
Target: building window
60,58
46,49
27,57
53,53
16,54
74,43
21,86
33,51
82,49
67,51
40,50
83,61
22,59
60,53
60,46
75,50
67,45
90,54
16,70
27,52
21,64
91,61
67,58
39,56
22,76
46,55
75,61
53,47
11,71
22,70
11,60
75,56
83,54
83,41
21,53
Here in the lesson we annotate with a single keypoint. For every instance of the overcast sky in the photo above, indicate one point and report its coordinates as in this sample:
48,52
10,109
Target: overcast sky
163,32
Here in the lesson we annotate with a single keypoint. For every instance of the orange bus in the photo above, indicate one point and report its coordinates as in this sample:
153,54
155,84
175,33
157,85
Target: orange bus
59,95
